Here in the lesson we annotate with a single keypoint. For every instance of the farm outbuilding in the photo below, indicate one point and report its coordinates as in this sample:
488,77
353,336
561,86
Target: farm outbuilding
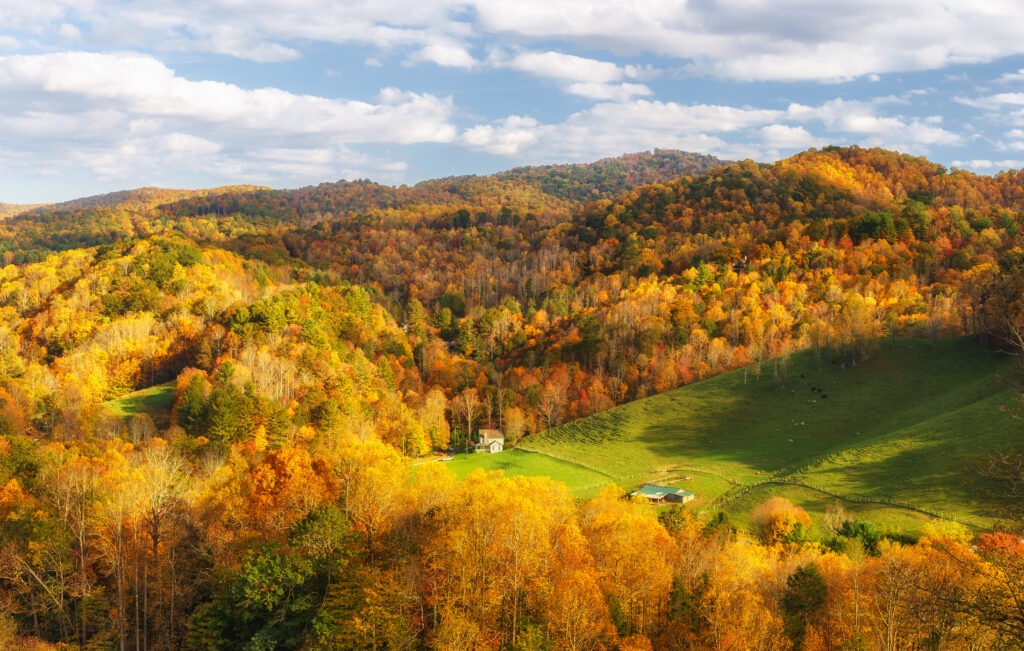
663,494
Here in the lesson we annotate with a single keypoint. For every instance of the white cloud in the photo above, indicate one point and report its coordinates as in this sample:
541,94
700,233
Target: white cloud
749,39
260,30
132,155
188,144
590,78
613,92
993,102
999,108
30,16
610,128
1013,140
69,32
780,136
445,54
566,67
862,119
508,137
777,39
311,163
126,115
112,106
142,85
988,165
1011,77
234,41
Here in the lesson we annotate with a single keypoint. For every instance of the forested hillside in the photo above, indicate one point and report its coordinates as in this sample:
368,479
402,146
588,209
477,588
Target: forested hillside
319,341
10,209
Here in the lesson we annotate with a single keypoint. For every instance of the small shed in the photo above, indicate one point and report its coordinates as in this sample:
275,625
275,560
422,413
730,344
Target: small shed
491,440
663,494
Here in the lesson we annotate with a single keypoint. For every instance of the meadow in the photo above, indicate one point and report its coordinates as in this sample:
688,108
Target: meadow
155,401
891,436
583,482
890,519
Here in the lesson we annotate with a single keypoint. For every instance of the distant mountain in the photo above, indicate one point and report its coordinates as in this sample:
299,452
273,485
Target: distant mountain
601,179
546,190
12,209
137,199
547,186
551,192
610,177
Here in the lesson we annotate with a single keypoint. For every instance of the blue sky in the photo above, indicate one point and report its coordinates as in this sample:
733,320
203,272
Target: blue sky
101,95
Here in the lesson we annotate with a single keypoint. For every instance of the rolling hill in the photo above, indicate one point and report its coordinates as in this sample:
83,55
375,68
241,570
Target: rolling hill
895,430
8,210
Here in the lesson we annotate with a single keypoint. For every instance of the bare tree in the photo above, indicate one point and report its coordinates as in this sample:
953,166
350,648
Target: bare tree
73,484
141,428
162,491
114,520
467,405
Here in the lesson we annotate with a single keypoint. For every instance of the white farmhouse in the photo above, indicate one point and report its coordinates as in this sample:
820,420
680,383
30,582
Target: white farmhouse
491,440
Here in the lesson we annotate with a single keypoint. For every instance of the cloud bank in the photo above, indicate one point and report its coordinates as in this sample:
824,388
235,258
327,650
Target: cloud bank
93,87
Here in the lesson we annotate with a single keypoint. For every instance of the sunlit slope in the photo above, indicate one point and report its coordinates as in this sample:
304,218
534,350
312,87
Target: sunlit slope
897,427
155,402
583,482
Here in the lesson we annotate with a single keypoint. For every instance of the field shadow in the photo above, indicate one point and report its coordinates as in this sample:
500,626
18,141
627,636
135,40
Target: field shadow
771,428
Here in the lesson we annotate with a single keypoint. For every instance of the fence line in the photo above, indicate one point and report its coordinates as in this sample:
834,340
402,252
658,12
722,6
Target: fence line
575,462
744,488
883,501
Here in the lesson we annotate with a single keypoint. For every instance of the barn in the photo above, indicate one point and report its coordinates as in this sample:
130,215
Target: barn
659,494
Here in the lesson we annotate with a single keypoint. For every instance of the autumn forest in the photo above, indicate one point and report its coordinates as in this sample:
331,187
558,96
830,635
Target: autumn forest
221,410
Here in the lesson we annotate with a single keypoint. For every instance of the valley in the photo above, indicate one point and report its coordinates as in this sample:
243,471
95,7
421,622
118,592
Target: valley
235,407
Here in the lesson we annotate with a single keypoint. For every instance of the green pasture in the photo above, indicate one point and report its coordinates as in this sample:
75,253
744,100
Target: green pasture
581,481
156,401
896,519
898,428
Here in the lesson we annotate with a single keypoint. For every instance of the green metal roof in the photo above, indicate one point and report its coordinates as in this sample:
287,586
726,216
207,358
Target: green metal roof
657,492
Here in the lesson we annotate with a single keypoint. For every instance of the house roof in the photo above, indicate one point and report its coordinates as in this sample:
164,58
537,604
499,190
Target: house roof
653,492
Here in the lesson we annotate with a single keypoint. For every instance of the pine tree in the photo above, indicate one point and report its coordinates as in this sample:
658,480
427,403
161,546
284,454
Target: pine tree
803,601
192,409
225,414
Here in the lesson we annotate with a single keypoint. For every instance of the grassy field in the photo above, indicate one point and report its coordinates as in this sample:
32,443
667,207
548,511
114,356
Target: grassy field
896,428
155,400
581,481
816,503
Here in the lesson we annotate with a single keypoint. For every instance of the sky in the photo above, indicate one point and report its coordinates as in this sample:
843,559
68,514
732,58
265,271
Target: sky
102,95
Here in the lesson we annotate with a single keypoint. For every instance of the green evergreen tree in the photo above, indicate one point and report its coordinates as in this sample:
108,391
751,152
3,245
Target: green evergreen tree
225,415
802,601
192,409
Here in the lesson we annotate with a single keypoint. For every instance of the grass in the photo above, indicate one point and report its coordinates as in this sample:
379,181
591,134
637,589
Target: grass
156,401
816,503
896,428
581,481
